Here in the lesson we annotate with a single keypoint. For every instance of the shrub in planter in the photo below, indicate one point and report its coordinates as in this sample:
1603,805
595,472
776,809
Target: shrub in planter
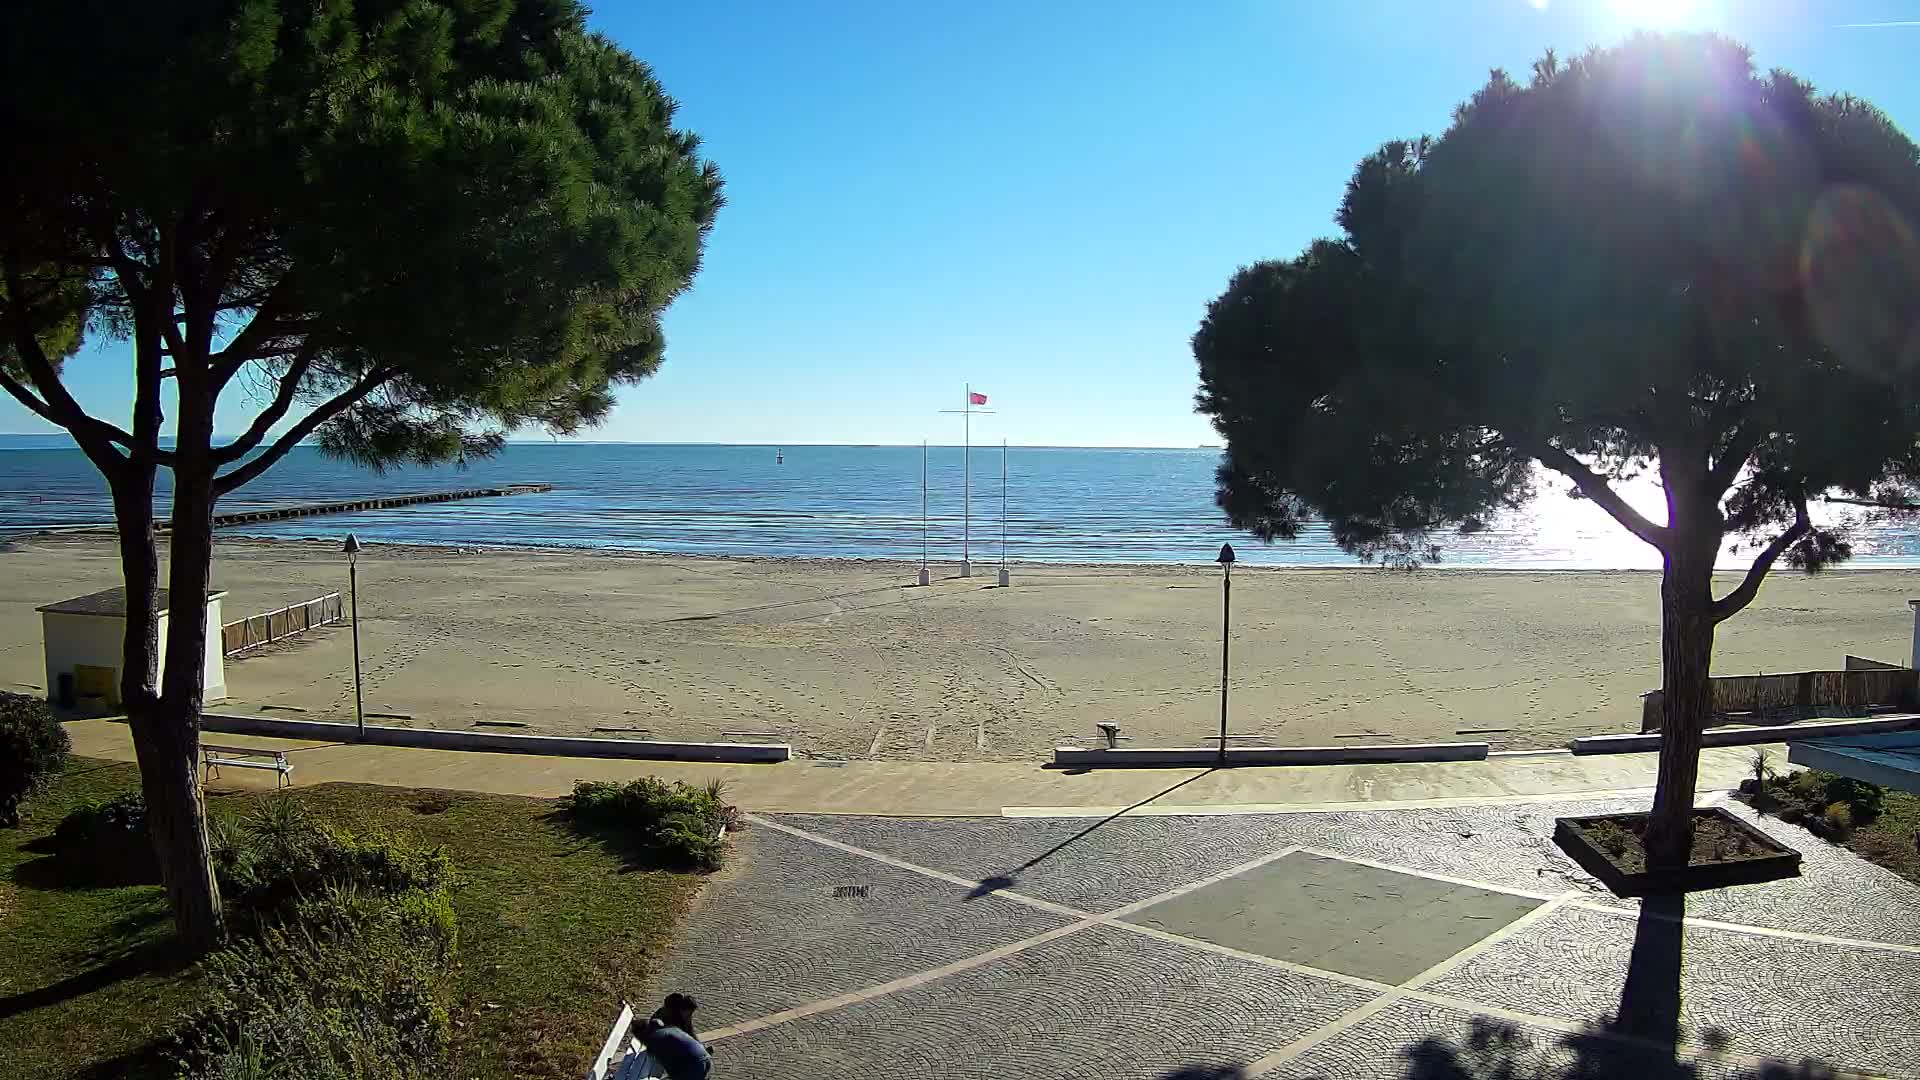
108,842
33,747
678,822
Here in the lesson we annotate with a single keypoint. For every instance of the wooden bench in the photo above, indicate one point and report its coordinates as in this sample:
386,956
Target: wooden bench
214,758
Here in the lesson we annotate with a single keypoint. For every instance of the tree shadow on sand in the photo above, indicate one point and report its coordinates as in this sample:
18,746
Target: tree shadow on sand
1642,1040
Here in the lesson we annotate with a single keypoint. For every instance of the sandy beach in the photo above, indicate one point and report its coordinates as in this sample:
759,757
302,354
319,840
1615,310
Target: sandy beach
847,659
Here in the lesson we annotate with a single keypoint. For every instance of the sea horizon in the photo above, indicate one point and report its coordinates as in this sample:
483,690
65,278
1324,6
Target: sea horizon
1066,505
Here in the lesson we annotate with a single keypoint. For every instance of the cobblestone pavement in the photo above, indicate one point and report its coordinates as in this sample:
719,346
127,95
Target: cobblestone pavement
1429,944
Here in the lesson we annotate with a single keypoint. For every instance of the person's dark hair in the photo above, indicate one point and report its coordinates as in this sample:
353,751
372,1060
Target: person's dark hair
678,1011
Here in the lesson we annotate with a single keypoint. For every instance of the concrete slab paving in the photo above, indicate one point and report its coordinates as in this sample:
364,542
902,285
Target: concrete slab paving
1339,916
1762,995
795,922
1417,1040
1214,948
1101,1003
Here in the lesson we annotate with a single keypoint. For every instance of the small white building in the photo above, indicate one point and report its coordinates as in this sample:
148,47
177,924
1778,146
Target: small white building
84,639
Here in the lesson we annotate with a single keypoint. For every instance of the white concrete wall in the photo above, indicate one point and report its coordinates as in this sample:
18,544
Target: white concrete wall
99,640
214,671
70,641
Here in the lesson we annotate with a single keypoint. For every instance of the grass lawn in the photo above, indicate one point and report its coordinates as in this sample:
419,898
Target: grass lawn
554,931
1889,838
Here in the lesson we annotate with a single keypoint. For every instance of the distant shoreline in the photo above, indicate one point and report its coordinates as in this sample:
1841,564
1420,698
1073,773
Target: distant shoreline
944,569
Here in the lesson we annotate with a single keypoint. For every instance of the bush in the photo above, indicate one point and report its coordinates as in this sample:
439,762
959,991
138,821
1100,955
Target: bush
281,856
1806,784
346,973
108,842
1839,817
1611,836
33,747
1863,799
350,985
1826,804
677,822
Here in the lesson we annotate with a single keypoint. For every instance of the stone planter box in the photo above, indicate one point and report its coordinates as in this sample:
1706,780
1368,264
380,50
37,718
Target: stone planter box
1726,851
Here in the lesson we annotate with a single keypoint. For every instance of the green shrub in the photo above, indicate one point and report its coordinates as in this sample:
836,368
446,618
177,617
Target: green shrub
33,747
678,822
108,841
1611,836
282,856
1863,799
1839,817
1806,784
344,975
348,985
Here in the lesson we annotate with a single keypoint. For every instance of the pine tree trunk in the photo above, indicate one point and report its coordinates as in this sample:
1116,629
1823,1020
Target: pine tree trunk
140,567
1686,656
176,809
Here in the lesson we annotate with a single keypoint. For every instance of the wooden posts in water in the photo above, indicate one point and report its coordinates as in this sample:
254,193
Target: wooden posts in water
386,502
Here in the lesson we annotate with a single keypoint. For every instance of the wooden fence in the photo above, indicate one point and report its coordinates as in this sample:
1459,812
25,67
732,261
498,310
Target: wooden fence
257,630
1761,695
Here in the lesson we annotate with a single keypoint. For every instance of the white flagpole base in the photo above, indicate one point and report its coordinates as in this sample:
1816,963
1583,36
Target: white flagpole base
926,576
1006,579
966,568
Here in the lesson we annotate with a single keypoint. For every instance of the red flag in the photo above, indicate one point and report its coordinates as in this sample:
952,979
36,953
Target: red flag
976,399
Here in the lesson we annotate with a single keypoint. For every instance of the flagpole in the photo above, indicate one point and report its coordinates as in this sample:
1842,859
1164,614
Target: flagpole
1005,579
966,483
926,576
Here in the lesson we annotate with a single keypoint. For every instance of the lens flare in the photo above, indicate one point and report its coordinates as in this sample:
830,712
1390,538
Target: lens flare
1860,272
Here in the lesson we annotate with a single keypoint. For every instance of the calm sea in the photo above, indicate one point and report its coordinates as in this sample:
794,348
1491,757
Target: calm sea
1062,505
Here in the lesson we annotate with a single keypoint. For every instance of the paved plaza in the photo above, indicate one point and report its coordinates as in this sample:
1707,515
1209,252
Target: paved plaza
1447,943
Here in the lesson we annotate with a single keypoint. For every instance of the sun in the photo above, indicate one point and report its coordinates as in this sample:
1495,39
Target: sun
1654,14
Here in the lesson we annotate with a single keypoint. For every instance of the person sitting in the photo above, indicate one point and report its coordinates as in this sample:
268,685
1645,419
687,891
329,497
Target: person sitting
669,1037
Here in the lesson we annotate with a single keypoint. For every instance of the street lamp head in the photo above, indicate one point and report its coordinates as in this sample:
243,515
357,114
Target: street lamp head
352,546
1226,555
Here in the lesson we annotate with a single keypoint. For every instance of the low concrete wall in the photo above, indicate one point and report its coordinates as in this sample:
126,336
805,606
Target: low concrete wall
1196,756
491,742
1749,736
1890,761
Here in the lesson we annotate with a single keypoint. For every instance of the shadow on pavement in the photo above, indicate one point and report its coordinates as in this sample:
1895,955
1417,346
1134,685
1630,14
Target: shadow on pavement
1641,1040
1009,878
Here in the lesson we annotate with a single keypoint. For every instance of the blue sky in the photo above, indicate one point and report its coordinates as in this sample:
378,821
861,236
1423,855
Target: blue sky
1041,198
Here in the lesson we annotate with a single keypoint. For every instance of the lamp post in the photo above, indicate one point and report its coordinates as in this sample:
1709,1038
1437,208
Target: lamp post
352,548
1225,559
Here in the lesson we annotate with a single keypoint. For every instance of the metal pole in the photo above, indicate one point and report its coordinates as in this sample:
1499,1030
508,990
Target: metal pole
1003,504
926,576
353,587
1226,639
966,484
